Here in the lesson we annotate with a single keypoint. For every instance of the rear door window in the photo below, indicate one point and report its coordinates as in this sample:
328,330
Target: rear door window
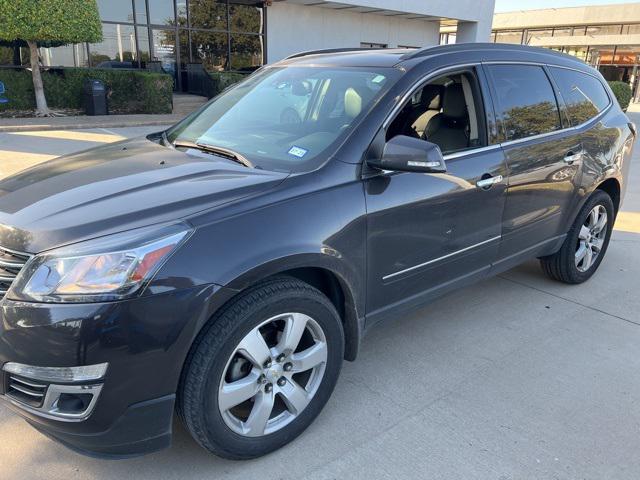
584,95
525,100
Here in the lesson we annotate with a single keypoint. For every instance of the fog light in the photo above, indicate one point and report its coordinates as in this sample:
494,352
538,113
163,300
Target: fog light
73,403
86,373
55,392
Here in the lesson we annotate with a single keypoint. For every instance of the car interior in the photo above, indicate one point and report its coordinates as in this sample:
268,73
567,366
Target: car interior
444,112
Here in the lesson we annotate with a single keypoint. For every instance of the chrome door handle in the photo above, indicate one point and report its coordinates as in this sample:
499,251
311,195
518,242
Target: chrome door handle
489,182
573,157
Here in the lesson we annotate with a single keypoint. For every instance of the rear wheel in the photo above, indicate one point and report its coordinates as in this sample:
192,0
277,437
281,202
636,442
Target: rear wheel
586,243
263,370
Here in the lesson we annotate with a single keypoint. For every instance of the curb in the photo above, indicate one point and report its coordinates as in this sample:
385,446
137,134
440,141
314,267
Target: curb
86,126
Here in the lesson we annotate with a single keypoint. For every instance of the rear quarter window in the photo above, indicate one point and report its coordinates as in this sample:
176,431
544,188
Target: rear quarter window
584,95
526,103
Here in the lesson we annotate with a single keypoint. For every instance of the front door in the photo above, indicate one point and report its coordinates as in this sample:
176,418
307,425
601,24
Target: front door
430,232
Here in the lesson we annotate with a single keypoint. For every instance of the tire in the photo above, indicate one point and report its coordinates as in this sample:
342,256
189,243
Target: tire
219,358
563,265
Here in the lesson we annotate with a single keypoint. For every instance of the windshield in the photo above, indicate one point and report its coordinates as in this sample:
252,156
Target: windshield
285,118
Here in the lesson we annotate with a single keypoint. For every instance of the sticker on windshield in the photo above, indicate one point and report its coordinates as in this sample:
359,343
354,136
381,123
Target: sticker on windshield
297,151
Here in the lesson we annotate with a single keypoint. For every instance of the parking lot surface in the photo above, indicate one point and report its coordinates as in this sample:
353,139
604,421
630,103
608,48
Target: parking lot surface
517,377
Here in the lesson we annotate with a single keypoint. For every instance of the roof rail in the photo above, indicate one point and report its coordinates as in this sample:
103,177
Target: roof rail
439,49
326,50
426,51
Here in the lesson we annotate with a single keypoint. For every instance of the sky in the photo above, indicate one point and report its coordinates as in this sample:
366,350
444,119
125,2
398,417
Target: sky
511,5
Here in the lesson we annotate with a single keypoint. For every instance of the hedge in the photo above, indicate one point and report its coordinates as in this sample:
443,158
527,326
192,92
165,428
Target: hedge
222,80
623,93
131,91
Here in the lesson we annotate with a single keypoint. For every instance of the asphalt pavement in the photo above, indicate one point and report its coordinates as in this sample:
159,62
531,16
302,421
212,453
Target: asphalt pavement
517,377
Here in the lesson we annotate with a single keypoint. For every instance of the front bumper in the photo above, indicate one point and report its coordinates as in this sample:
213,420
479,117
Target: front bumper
145,342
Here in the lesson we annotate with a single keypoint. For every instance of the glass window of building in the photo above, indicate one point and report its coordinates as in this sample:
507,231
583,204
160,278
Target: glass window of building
74,55
144,52
7,55
118,45
208,14
625,55
584,95
580,52
534,34
509,36
563,32
246,52
526,103
631,29
164,49
245,18
184,46
141,11
161,12
604,30
116,10
210,49
602,55
181,12
579,31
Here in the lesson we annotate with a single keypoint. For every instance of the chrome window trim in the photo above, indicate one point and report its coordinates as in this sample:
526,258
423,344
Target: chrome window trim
462,250
471,151
454,155
423,80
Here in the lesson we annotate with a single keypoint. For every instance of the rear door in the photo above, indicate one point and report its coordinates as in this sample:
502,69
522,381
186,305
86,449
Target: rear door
542,153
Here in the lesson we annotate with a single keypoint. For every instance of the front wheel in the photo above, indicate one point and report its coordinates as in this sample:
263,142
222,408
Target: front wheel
586,243
263,370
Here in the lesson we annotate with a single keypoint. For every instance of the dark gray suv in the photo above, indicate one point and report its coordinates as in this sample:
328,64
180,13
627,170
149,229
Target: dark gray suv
226,267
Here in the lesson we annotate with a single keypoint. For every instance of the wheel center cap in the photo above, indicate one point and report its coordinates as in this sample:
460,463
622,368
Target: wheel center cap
274,372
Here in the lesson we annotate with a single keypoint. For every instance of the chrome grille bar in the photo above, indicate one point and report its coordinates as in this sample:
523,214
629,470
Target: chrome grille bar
11,262
26,391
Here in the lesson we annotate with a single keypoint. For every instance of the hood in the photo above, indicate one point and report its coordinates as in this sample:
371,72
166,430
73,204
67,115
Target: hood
117,187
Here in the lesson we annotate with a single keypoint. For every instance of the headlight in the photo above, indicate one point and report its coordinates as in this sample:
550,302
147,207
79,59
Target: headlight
105,269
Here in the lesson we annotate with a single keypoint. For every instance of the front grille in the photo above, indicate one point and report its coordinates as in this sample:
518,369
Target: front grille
26,391
11,262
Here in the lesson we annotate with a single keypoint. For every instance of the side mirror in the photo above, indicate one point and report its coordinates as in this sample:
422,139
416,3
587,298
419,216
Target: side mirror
408,154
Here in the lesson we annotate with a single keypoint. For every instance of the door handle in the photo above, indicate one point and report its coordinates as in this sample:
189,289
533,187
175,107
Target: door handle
571,157
487,183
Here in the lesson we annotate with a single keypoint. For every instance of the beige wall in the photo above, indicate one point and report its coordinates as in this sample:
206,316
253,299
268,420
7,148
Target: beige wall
550,17
585,40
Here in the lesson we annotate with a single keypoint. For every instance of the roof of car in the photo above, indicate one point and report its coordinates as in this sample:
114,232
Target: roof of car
392,57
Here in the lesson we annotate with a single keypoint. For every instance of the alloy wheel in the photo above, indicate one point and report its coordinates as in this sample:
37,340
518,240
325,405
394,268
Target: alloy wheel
591,238
272,375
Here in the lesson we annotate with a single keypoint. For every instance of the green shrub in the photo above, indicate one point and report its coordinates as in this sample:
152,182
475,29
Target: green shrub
222,80
623,93
131,91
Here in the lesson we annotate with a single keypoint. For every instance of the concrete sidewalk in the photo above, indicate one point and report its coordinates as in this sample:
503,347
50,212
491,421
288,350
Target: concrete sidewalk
85,122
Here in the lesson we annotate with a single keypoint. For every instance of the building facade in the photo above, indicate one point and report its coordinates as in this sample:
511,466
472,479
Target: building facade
241,35
606,36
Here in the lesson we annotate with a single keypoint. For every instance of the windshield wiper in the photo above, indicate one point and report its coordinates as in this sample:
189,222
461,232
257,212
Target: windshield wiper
224,152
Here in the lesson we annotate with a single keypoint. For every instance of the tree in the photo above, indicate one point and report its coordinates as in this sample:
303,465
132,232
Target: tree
50,23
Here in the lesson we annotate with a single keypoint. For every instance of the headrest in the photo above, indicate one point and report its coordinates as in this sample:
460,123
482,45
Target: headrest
431,97
453,103
352,103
